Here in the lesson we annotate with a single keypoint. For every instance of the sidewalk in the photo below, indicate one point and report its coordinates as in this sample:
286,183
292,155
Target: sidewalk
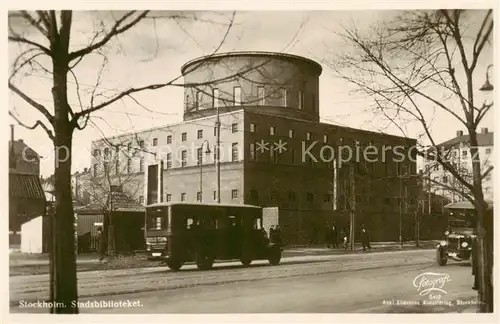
18,259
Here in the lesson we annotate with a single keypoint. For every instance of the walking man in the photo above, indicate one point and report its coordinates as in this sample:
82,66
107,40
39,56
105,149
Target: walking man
334,236
365,239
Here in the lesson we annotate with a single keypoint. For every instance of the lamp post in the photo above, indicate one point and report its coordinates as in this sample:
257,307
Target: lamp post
217,153
484,244
201,166
487,86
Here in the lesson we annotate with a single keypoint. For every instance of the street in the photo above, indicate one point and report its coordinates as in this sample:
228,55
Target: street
360,283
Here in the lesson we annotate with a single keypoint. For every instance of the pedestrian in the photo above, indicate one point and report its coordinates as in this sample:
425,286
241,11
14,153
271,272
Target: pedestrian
365,239
101,244
272,234
334,236
277,233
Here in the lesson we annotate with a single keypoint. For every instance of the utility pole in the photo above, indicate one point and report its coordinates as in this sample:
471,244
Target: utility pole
217,153
400,210
353,205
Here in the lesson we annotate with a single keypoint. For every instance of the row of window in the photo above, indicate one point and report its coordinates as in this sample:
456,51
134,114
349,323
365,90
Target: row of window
237,99
254,196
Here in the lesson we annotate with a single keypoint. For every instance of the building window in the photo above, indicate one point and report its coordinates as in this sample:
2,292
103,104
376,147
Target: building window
198,196
292,196
215,131
169,197
96,153
301,99
199,134
445,179
197,101
169,139
155,142
325,138
328,198
141,165
183,196
234,194
262,96
488,151
141,144
184,137
464,153
284,95
309,197
215,98
141,199
252,128
129,147
237,96
292,155
186,103
215,195
106,153
252,151
234,152
183,158
272,130
169,160
308,136
291,133
234,128
95,170
129,165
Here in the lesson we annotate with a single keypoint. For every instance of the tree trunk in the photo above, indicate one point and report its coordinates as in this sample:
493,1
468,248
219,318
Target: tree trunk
65,260
66,293
484,232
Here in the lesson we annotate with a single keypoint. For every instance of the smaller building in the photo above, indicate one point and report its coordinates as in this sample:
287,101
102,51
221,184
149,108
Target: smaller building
457,151
124,215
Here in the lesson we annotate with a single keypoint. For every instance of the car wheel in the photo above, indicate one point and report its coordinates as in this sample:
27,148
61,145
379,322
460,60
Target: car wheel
442,259
174,265
274,256
204,261
246,262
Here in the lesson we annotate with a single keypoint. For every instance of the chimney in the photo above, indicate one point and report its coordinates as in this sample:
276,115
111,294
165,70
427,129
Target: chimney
460,133
484,130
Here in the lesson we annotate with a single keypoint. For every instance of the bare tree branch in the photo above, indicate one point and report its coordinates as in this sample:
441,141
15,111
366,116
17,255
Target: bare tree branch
37,123
32,102
115,30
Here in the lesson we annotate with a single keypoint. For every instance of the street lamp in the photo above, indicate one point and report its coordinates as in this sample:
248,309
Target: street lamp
201,166
487,86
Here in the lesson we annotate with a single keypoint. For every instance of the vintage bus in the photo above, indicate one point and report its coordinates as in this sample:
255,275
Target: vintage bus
202,233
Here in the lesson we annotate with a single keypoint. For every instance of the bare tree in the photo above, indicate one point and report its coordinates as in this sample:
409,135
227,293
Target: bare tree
110,179
426,59
49,37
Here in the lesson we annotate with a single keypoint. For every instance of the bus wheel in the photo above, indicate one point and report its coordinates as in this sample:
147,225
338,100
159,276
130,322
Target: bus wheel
204,262
274,256
174,265
246,261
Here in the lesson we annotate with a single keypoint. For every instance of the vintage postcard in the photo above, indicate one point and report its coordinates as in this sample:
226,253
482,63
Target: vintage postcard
186,159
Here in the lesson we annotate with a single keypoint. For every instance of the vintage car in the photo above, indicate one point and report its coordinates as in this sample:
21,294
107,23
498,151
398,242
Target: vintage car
457,245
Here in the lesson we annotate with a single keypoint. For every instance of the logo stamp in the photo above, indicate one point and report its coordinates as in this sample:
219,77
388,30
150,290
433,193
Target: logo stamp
431,284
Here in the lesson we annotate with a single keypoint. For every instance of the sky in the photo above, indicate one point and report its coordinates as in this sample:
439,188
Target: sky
154,51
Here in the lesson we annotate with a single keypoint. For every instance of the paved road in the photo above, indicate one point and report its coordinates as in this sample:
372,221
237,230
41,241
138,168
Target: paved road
324,284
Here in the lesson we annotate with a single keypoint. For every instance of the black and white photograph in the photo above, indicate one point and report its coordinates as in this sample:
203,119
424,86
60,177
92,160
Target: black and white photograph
216,160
